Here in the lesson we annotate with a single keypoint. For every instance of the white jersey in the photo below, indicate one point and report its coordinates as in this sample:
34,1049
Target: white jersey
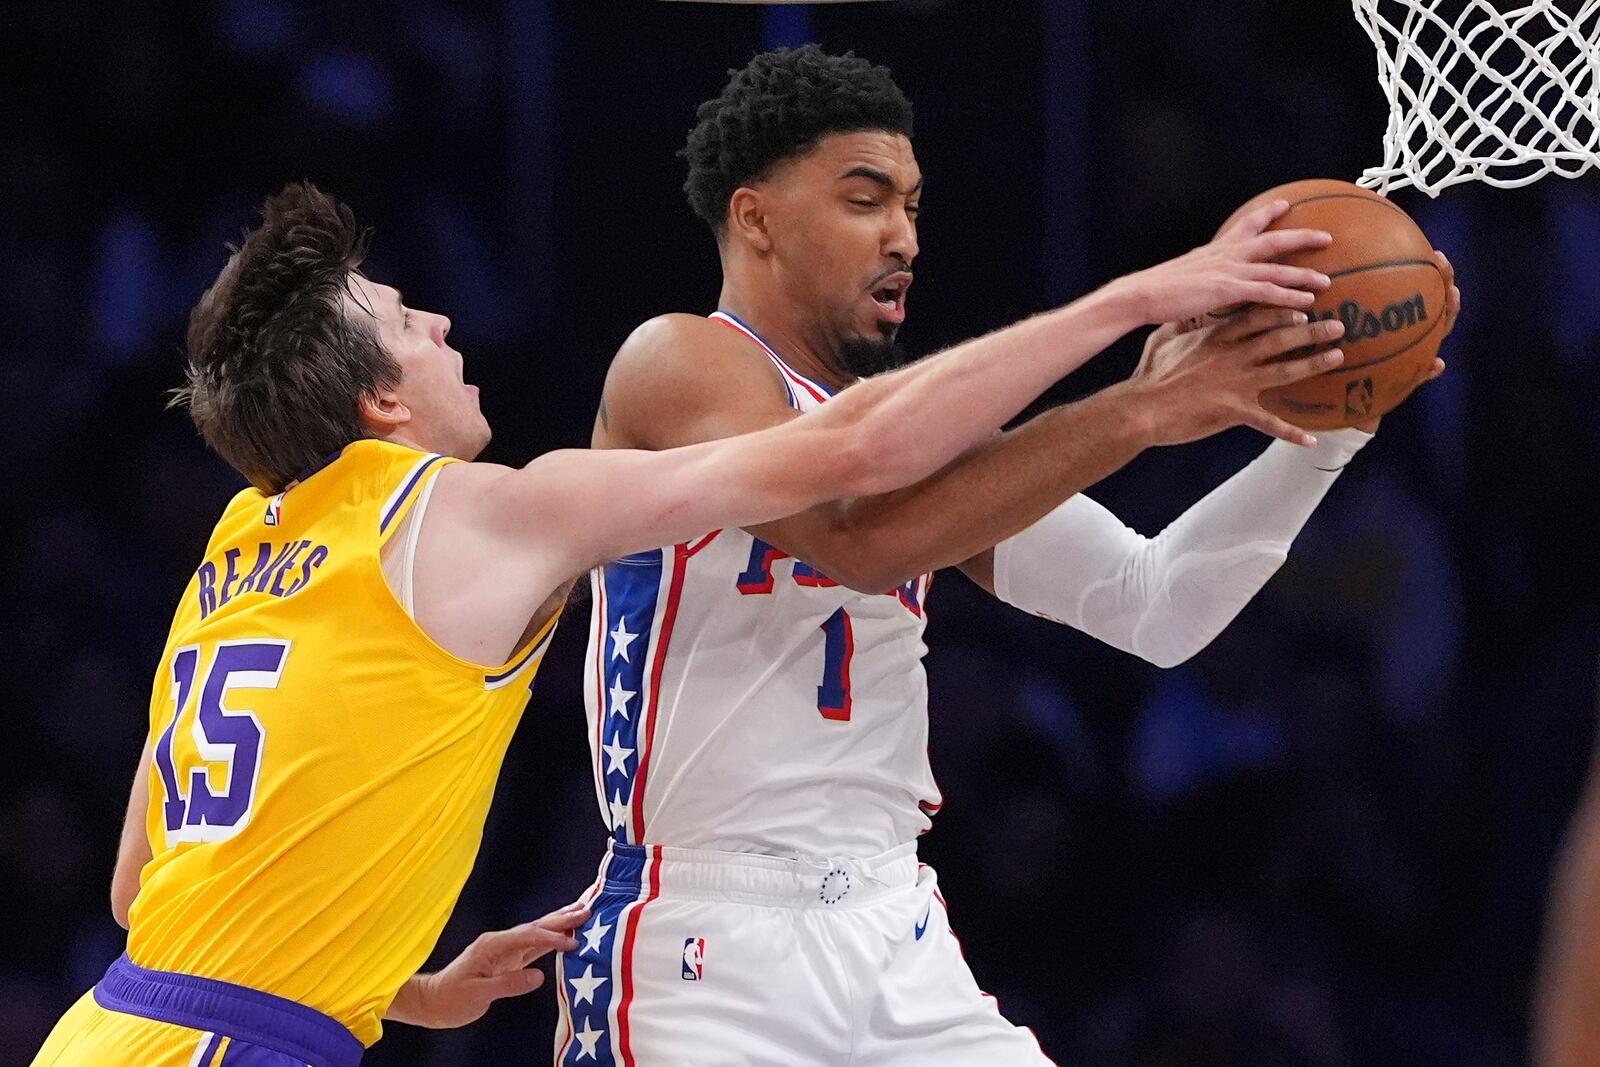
740,700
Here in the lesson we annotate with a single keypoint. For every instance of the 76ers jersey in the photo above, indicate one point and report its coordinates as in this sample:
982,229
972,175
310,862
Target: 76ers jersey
321,768
740,700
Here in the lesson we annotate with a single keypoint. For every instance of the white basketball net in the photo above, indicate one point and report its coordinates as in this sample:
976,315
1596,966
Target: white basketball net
1487,92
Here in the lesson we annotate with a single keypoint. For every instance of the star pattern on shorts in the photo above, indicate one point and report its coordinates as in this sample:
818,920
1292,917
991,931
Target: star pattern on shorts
592,936
583,988
588,1038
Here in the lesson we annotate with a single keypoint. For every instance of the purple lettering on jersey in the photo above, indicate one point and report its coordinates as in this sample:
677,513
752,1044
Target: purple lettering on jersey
183,665
283,568
258,572
208,588
252,665
806,574
757,578
221,736
317,557
229,576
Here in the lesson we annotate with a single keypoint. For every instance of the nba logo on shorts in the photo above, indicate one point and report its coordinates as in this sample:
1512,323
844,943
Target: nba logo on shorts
694,954
273,507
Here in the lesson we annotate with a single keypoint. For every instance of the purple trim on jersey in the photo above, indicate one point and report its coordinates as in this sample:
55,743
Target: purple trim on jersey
247,1015
405,494
522,662
632,595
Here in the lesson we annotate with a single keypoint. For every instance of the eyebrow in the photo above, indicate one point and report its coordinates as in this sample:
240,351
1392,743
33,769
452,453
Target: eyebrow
878,177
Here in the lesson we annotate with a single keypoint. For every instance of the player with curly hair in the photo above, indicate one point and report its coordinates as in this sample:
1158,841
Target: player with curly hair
757,705
358,641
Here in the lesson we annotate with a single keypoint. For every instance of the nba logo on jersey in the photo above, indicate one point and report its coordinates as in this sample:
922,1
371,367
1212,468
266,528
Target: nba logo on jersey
274,507
694,954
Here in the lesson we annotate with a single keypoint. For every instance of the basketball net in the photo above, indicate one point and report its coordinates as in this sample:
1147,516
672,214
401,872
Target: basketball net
1486,92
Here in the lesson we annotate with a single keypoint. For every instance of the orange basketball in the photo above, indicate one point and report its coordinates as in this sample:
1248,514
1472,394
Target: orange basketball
1386,288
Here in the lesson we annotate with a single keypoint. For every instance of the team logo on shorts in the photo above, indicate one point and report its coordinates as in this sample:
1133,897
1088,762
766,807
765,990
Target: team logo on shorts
694,954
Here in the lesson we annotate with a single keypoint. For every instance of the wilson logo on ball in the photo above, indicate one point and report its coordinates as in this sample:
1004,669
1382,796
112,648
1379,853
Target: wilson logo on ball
1362,324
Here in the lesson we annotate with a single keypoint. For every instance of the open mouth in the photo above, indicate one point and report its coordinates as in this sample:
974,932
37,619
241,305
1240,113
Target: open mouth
890,296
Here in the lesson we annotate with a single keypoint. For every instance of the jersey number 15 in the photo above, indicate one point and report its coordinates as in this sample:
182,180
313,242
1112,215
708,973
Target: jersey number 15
227,740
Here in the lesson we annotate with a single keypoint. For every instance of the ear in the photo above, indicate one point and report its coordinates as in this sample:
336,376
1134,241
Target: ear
382,412
747,218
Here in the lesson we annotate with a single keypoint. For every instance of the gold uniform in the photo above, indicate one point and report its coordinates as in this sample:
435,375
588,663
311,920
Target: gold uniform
320,777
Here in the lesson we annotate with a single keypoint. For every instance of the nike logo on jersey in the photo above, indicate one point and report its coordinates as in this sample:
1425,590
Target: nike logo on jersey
922,926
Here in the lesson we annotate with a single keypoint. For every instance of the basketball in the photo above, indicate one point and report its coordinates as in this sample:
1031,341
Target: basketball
1387,290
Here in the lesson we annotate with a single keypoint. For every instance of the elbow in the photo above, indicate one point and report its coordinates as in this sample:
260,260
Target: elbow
864,558
1168,658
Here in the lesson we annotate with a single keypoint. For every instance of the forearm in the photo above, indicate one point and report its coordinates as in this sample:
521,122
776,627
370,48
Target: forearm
1002,485
926,415
1167,597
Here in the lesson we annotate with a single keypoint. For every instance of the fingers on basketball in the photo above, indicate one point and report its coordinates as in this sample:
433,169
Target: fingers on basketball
1272,426
1254,321
1251,223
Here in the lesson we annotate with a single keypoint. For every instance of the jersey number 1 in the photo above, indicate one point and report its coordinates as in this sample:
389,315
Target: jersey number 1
231,737
839,641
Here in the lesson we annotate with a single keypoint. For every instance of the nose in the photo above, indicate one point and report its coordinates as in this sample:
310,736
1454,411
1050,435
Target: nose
900,237
442,324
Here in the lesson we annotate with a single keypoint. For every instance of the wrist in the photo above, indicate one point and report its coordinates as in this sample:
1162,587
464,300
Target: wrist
1123,301
1335,448
410,1004
1133,407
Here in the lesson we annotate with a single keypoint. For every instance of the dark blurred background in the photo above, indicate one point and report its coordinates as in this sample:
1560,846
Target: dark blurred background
1326,840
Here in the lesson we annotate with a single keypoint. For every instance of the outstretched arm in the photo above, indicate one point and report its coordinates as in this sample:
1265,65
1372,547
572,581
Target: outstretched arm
1165,598
493,967
567,511
680,380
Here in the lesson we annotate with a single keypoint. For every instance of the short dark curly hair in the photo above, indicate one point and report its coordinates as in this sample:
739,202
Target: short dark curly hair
776,108
277,364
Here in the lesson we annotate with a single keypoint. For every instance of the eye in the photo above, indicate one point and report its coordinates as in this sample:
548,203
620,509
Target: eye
864,202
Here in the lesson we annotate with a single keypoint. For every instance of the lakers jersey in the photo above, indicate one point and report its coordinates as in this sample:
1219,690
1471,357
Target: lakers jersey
321,769
741,700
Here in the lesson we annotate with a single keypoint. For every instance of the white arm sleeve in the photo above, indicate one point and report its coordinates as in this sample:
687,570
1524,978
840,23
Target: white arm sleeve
1165,598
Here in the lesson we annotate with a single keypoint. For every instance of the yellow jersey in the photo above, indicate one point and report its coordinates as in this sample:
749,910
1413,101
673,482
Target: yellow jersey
321,768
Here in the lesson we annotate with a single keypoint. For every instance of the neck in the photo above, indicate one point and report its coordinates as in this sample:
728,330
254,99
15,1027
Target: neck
786,329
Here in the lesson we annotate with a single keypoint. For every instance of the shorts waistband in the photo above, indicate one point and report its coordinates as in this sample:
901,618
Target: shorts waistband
235,1011
743,877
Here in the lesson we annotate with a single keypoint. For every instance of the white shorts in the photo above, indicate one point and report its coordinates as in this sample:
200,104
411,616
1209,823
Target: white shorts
713,958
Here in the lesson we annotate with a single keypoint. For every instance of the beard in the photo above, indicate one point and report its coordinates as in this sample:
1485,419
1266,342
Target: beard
863,357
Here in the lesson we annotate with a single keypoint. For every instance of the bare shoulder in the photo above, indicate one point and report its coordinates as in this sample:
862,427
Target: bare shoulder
679,379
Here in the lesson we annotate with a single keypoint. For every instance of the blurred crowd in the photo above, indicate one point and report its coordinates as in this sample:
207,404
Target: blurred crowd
1326,840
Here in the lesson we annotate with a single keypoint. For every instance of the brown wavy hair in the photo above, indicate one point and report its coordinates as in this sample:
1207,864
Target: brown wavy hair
276,361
